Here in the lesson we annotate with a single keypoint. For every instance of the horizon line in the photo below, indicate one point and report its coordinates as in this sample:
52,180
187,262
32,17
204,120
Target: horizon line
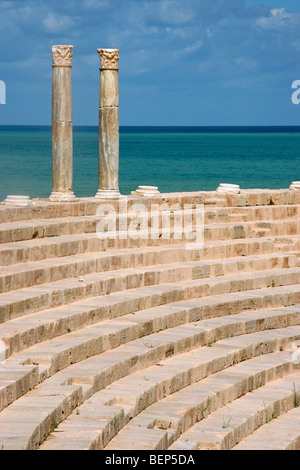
160,126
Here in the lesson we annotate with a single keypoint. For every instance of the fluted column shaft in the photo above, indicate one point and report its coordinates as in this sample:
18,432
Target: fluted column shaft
62,126
109,124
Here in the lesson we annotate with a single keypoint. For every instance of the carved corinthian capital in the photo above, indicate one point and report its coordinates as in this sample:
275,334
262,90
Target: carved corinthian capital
62,56
109,58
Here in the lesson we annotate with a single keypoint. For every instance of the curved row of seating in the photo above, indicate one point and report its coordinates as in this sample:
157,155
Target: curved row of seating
150,343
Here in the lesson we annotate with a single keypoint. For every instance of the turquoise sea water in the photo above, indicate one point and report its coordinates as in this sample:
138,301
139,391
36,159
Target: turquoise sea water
174,159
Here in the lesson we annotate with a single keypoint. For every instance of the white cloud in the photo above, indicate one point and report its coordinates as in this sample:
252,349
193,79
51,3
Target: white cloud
217,41
91,60
193,47
57,23
6,5
278,18
247,64
34,62
182,52
169,13
296,45
96,4
244,83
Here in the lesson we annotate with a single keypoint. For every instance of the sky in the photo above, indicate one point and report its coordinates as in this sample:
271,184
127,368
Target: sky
182,62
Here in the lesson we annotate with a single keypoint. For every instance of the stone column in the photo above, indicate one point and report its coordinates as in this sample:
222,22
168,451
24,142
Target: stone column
62,127
109,125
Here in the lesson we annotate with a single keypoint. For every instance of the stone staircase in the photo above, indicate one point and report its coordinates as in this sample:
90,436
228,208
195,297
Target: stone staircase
149,342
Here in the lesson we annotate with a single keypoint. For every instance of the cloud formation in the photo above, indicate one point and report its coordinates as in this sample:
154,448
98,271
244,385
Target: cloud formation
166,44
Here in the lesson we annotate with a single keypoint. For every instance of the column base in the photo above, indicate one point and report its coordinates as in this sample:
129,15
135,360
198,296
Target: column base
146,191
295,186
21,201
59,196
108,194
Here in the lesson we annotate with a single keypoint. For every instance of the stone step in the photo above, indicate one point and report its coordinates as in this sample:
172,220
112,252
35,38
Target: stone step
248,230
47,228
162,402
190,216
280,434
225,428
260,232
45,248
286,244
247,214
41,272
16,381
60,353
28,421
179,419
32,229
153,308
45,296
215,201
254,197
88,206
238,218
43,208
58,247
95,374
261,213
28,230
107,336
80,223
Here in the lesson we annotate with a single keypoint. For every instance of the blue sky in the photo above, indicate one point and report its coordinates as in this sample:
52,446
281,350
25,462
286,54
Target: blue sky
182,62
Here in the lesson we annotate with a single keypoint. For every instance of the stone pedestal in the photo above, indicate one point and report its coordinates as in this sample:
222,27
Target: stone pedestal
109,125
229,188
146,191
62,126
295,186
19,201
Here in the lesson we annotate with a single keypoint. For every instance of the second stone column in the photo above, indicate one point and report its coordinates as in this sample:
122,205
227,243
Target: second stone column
109,125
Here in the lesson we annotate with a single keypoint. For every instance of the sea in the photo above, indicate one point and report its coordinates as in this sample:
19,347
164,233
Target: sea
173,158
